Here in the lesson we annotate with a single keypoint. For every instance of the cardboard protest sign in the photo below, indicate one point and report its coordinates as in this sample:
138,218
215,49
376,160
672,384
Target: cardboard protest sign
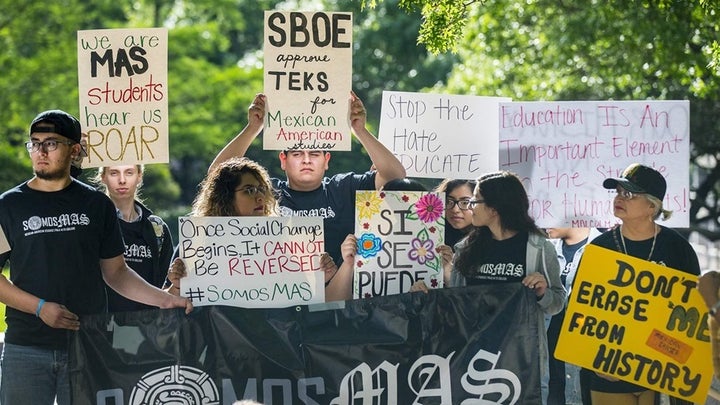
640,322
307,80
397,234
4,245
564,150
441,135
124,95
252,262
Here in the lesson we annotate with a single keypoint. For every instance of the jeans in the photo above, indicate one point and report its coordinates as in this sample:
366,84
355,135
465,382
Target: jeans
32,375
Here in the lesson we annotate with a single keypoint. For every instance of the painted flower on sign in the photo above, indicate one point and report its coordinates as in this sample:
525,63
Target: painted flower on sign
367,204
429,208
421,250
369,245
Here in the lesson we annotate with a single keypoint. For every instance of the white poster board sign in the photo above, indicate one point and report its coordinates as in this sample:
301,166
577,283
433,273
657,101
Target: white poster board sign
307,80
122,76
564,150
252,262
397,233
440,135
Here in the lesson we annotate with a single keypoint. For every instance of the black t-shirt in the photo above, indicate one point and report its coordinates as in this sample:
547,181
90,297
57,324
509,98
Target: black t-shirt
139,256
57,240
502,261
671,250
334,201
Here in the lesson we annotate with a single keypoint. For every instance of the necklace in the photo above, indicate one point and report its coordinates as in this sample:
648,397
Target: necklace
652,248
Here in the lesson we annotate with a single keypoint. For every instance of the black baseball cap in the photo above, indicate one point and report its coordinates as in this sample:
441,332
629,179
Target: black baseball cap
58,122
638,178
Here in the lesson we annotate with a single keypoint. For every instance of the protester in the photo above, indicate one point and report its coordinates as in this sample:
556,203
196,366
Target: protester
237,187
307,191
565,386
504,236
65,241
638,203
458,216
338,285
148,243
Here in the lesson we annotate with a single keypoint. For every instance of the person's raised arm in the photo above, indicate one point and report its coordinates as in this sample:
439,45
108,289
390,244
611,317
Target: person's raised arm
387,165
239,145
130,285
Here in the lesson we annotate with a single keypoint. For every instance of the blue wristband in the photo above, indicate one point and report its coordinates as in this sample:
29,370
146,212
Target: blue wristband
39,307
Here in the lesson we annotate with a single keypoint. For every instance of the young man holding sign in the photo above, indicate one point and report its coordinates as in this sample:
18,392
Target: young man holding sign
307,191
66,244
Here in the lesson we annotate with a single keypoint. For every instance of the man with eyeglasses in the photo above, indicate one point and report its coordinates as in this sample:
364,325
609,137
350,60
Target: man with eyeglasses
65,245
307,191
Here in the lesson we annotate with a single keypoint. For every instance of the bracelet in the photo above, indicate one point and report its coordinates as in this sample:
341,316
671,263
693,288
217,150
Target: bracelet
714,309
39,307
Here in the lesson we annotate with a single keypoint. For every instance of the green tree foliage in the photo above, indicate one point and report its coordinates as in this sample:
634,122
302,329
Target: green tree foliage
530,50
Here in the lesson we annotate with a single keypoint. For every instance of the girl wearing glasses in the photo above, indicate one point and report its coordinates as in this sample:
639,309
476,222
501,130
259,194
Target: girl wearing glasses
638,204
148,242
458,216
237,187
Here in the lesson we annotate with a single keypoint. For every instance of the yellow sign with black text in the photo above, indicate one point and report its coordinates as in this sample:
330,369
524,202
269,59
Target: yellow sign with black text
640,322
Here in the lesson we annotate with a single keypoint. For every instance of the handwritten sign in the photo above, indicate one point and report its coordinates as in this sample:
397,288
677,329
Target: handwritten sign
440,135
308,69
252,262
640,322
397,233
124,95
564,150
4,245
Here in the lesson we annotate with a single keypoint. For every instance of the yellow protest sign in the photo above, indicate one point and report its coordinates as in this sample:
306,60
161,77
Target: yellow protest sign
640,322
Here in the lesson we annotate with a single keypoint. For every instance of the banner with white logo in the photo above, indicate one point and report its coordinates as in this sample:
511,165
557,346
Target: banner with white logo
476,344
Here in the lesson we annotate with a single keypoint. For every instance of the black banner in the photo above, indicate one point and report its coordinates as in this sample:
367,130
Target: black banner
439,348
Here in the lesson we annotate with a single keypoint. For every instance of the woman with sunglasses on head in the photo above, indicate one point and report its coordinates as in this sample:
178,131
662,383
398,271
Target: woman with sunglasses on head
638,203
148,242
237,187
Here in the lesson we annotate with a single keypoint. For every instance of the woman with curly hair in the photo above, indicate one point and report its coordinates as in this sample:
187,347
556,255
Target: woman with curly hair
237,187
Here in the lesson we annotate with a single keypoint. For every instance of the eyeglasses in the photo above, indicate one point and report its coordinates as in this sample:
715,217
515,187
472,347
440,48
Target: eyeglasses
624,194
253,191
462,204
47,145
474,203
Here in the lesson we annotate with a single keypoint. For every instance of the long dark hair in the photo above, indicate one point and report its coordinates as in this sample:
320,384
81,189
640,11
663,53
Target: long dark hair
502,191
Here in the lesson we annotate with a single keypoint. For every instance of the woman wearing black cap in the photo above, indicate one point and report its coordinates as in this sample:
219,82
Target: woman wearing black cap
638,203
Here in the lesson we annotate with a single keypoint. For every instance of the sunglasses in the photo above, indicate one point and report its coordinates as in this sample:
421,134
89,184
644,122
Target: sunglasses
253,191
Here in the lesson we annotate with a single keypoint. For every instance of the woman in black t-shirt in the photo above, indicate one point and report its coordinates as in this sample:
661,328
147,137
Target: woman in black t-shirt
148,242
